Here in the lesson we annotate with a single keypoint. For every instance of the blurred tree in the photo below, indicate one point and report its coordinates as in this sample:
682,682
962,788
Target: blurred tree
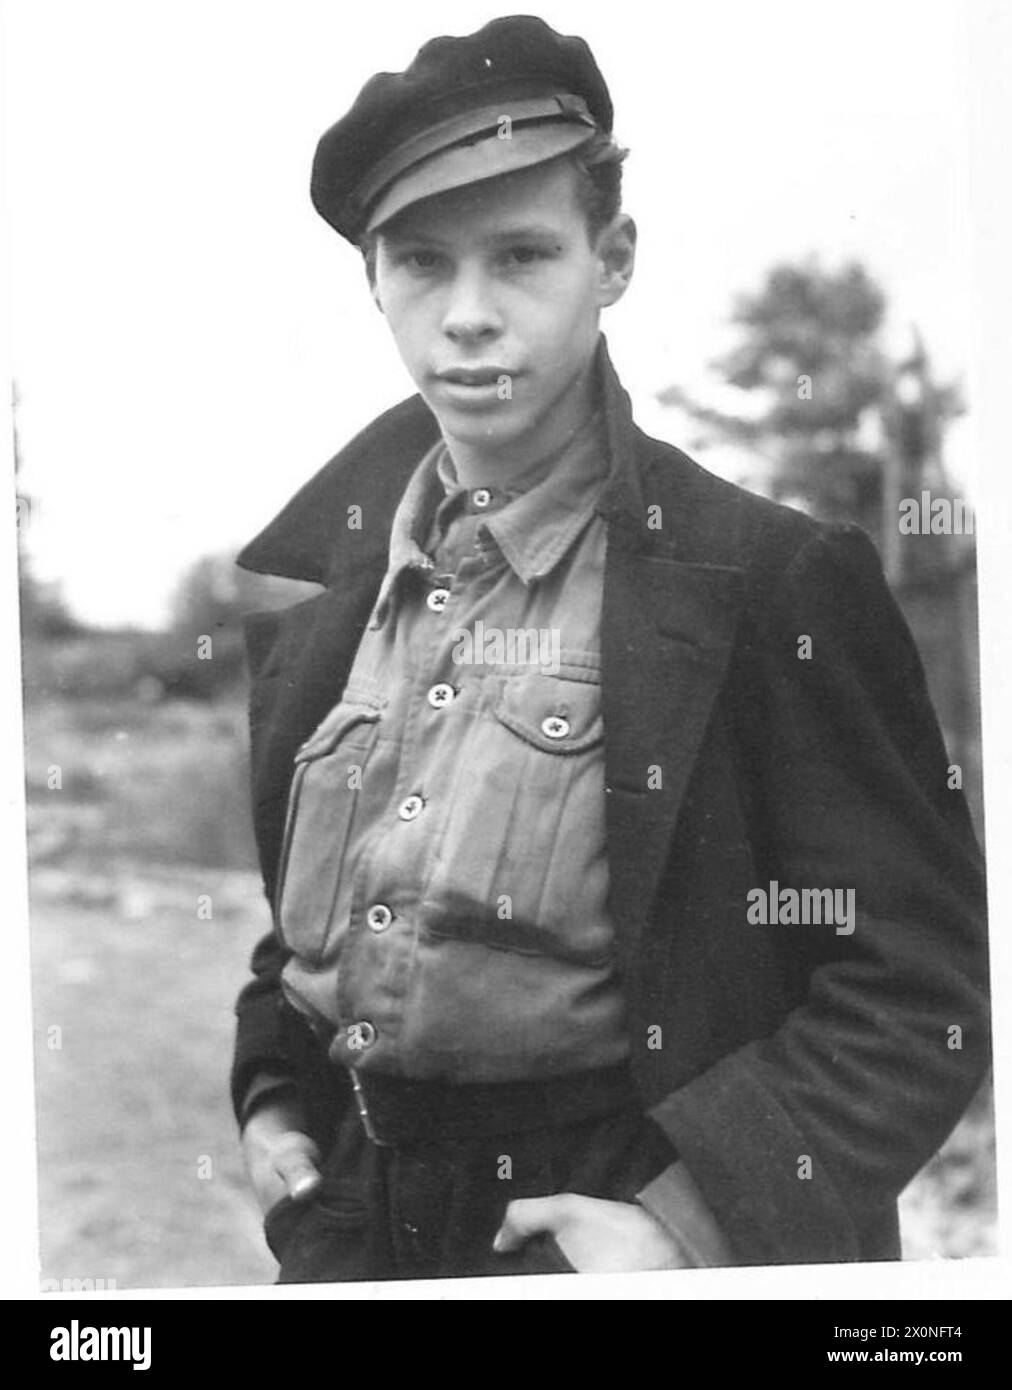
846,432
203,650
915,411
214,594
44,614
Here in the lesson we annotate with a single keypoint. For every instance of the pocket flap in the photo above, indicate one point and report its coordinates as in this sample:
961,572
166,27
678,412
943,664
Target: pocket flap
551,713
356,707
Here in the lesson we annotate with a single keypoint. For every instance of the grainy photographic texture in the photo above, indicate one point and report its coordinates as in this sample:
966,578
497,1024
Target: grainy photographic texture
592,772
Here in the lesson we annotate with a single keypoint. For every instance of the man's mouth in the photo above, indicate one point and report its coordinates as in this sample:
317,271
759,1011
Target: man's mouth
475,376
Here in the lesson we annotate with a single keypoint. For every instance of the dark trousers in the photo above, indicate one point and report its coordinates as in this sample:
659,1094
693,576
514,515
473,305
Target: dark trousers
429,1207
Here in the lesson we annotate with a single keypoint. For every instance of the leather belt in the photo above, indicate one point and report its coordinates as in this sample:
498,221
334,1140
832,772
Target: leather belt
396,1110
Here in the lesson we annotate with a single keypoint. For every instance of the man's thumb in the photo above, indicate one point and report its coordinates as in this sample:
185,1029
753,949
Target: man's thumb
297,1164
525,1217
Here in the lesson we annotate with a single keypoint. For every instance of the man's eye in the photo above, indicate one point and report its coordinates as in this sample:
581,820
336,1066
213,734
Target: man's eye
419,260
523,255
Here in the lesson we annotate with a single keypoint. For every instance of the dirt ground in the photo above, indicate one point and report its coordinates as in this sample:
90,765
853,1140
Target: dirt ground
140,1175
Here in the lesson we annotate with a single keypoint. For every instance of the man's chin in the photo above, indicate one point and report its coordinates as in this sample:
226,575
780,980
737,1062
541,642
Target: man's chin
498,426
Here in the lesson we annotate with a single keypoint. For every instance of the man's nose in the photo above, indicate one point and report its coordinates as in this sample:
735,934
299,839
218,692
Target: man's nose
471,312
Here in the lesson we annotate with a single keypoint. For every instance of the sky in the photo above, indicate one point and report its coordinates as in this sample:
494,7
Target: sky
190,341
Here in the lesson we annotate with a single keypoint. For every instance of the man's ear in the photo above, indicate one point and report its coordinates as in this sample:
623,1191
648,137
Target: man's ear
616,254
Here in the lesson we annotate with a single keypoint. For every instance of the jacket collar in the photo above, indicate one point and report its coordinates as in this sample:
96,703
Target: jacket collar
356,494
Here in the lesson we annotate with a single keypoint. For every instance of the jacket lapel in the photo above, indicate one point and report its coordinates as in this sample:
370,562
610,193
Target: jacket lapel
671,606
667,631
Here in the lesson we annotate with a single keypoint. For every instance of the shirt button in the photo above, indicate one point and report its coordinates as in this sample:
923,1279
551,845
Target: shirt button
481,497
411,807
436,599
379,917
555,726
361,1035
440,695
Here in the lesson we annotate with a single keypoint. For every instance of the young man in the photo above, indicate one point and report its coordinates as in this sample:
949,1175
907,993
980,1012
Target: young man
624,917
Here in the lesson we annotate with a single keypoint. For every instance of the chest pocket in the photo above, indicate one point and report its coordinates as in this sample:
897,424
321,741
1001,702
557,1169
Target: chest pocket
522,863
324,796
556,715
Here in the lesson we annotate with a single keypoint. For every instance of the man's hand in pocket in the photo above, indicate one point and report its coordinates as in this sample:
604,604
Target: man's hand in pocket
595,1236
281,1159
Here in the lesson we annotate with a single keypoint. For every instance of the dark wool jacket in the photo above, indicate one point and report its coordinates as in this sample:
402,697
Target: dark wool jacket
777,1043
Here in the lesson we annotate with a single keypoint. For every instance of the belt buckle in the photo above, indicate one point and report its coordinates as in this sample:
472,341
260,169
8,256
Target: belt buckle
363,1111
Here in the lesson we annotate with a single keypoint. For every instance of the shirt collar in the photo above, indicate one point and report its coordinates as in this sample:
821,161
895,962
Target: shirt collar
534,522
410,528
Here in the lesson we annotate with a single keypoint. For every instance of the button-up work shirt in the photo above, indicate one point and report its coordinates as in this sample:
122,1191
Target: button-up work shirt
444,878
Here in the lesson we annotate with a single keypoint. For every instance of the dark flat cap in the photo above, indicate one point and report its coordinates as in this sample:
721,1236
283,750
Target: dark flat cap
510,96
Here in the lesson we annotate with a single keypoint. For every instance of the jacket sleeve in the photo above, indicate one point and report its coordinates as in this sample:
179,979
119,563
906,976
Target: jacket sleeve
798,1139
263,1039
274,1045
275,1050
